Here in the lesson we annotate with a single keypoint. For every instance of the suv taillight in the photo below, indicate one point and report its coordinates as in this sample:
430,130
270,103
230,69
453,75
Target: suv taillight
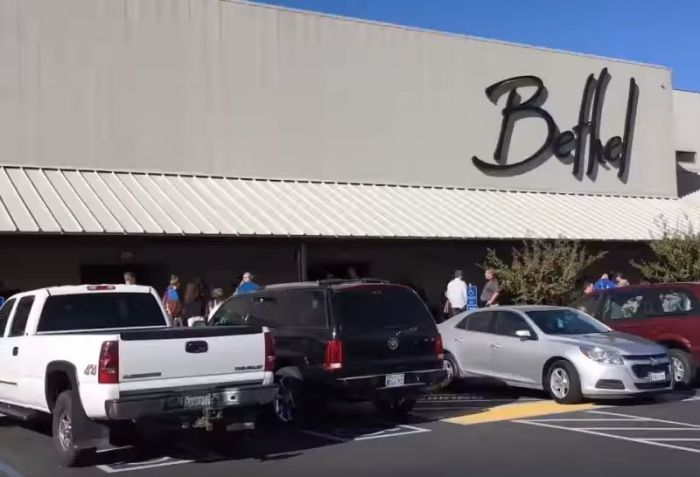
439,350
334,355
270,354
108,368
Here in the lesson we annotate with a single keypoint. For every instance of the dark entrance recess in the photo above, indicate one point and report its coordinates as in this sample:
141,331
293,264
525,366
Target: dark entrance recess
145,275
321,271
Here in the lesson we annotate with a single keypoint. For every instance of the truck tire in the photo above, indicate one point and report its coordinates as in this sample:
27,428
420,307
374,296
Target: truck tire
65,416
682,367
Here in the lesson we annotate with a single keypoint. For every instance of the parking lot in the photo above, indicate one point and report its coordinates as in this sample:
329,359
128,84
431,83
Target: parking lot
476,428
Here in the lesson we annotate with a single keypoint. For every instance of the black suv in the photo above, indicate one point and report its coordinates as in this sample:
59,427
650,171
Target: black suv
363,340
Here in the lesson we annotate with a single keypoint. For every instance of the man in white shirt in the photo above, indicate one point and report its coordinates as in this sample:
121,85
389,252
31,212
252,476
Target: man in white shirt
457,294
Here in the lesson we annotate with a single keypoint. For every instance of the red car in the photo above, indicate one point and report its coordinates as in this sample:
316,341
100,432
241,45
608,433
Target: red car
667,313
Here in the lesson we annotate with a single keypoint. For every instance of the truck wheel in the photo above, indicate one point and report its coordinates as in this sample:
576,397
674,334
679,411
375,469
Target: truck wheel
682,367
563,383
395,407
65,417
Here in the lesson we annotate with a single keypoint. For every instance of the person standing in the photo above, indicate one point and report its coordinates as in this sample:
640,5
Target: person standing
492,290
247,285
217,299
172,301
129,278
621,280
456,294
588,288
604,282
193,307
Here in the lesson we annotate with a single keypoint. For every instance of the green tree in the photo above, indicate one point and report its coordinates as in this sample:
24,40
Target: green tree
676,254
542,271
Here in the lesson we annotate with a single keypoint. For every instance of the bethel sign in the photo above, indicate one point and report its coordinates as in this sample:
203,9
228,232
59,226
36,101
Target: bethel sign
568,146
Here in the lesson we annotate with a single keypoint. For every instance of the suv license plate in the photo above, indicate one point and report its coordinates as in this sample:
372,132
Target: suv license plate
657,376
394,380
197,401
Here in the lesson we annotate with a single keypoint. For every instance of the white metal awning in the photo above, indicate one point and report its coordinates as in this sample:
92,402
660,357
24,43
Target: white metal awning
69,201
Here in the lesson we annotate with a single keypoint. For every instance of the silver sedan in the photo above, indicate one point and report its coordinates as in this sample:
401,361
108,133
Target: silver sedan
560,350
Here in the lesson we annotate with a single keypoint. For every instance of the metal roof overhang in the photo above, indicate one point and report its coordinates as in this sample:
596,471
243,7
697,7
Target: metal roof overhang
70,201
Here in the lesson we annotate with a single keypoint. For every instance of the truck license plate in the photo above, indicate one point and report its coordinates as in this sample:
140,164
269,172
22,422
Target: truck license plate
394,380
657,376
197,401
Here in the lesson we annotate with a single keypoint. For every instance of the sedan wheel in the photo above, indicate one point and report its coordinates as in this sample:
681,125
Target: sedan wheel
559,383
563,383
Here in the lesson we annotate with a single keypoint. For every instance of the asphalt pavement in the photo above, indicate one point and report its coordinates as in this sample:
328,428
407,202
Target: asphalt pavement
474,429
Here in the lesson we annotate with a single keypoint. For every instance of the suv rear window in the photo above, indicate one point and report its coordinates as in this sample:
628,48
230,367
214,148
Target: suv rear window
94,311
379,307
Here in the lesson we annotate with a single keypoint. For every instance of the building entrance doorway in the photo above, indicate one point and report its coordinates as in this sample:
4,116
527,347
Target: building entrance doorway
325,270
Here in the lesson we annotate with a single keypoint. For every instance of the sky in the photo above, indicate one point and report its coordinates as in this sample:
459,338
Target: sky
639,30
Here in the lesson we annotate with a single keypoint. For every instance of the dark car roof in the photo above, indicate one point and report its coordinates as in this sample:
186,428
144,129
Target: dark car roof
648,286
335,284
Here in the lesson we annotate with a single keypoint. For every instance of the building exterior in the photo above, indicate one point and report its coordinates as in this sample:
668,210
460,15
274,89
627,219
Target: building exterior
207,137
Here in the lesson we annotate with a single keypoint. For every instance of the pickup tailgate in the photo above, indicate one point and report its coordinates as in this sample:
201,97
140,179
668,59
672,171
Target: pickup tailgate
188,357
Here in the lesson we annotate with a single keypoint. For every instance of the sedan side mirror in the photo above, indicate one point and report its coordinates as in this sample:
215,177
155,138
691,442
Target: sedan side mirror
524,335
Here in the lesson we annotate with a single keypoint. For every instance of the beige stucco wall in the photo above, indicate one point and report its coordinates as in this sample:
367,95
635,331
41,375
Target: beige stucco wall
686,123
221,87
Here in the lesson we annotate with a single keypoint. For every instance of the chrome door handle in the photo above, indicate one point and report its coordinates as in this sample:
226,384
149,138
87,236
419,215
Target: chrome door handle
495,346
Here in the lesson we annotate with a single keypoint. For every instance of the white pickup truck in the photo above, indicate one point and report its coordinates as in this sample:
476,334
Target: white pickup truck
102,358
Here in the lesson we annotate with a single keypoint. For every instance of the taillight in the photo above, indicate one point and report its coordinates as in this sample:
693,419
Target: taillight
108,368
334,355
439,350
270,354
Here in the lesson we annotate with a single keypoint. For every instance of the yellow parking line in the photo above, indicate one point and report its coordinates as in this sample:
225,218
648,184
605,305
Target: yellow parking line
524,410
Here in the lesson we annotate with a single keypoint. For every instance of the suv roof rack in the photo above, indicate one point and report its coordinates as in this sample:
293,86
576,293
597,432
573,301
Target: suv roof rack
340,281
324,282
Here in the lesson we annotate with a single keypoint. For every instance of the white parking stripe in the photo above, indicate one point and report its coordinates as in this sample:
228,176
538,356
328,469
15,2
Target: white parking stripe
670,439
634,428
564,419
612,436
162,462
608,413
579,425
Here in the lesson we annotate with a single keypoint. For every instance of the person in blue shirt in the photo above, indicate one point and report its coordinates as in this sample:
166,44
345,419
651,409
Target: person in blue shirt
247,285
605,282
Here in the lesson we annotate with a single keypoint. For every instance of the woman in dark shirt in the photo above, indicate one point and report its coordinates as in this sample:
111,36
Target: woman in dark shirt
194,303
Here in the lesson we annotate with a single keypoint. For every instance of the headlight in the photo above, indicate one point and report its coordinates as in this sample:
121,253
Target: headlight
600,355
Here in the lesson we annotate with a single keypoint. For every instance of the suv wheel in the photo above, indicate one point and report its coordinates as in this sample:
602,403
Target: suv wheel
291,406
563,383
682,367
65,419
395,407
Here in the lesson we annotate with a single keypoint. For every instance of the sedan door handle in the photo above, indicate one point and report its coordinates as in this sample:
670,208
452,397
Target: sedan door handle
495,346
15,351
459,340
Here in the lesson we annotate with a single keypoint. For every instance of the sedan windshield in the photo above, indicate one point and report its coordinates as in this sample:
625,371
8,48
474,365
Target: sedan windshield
566,322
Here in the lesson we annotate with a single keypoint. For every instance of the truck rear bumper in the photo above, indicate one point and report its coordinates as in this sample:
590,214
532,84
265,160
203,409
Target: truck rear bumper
189,402
413,382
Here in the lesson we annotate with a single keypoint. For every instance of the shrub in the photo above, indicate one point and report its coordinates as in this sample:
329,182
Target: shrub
676,254
543,272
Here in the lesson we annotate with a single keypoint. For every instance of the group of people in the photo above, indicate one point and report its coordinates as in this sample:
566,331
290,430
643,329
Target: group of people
194,304
456,293
604,282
